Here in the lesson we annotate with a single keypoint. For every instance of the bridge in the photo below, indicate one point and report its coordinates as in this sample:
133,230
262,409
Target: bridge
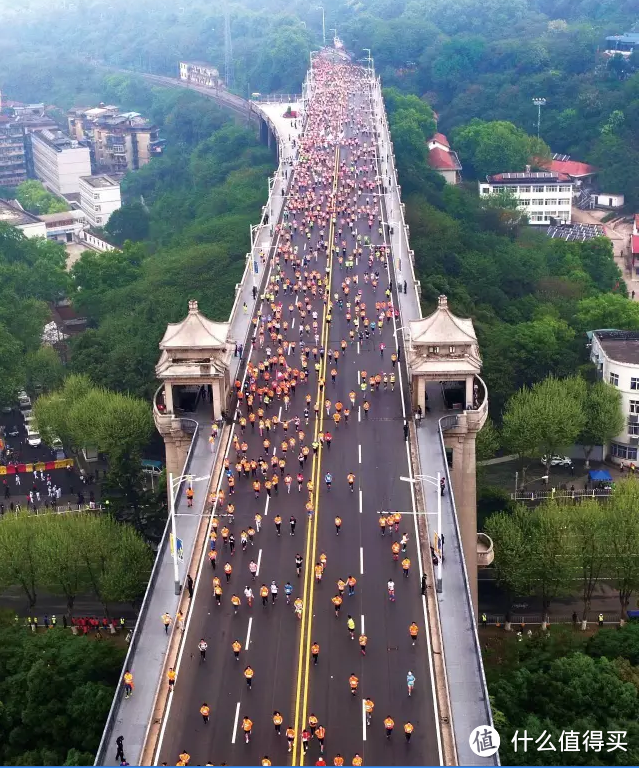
328,303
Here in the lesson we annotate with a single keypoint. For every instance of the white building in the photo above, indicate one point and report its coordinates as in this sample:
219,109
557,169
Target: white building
64,227
616,355
541,195
606,200
99,197
13,214
200,73
59,161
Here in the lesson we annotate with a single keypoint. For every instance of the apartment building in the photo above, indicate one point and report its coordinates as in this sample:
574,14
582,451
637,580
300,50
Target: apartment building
200,73
13,161
616,357
544,196
99,197
59,161
119,142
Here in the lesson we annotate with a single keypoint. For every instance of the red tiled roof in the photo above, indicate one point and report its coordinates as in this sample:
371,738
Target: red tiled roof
637,220
440,139
571,167
441,160
635,245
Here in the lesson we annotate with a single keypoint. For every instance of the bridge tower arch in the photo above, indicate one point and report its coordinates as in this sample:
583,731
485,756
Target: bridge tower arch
194,370
444,364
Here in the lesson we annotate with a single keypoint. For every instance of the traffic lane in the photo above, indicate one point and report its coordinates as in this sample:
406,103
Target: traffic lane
271,653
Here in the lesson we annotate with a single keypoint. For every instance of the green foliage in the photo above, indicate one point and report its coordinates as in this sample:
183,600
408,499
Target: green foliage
33,273
496,146
604,416
56,690
74,554
33,197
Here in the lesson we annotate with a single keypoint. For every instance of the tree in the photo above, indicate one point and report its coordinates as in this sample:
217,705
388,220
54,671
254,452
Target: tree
58,537
545,419
19,557
607,310
511,550
34,198
588,530
130,222
487,442
494,147
44,370
604,418
623,540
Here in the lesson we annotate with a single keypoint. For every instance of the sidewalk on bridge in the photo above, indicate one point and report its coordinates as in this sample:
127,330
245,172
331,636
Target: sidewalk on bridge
463,670
132,716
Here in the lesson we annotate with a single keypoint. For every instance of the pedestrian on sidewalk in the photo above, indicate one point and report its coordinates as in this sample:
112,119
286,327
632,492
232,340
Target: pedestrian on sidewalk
119,755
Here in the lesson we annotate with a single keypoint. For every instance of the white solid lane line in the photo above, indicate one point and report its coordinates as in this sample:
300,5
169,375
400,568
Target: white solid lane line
359,413
359,451
259,562
248,634
237,718
363,631
363,721
361,506
361,561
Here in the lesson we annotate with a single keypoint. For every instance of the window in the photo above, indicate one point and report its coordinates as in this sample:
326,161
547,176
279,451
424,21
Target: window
524,202
633,429
98,219
565,201
538,189
634,406
97,207
96,197
434,350
485,190
623,451
451,350
551,188
634,383
524,190
614,379
551,202
564,189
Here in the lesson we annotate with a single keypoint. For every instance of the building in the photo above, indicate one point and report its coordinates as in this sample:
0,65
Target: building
200,73
624,44
544,196
607,200
13,160
120,142
96,242
616,356
99,197
12,213
59,161
65,227
443,159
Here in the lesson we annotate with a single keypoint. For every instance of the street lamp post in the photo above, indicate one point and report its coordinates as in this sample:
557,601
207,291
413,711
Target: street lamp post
539,103
334,31
172,484
321,8
436,481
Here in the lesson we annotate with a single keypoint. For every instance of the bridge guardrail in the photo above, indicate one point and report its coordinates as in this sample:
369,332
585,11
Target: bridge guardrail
108,727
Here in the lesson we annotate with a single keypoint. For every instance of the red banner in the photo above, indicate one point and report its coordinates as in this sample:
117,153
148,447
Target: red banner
45,466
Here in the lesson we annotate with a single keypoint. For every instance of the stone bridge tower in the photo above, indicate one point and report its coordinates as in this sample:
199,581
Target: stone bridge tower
194,370
444,364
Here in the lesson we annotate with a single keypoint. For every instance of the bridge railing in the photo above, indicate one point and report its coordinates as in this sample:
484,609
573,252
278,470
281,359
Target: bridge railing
282,98
101,758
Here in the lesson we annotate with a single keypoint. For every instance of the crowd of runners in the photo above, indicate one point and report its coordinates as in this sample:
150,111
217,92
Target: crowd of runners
330,259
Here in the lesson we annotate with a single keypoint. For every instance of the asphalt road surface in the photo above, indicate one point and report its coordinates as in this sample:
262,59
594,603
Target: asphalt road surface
274,641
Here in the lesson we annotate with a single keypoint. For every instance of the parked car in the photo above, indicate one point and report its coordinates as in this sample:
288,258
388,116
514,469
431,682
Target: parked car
557,461
33,438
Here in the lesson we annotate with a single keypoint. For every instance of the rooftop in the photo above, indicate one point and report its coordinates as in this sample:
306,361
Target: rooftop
205,64
635,245
620,346
529,177
442,327
442,160
440,139
12,214
627,37
194,332
99,182
57,140
572,168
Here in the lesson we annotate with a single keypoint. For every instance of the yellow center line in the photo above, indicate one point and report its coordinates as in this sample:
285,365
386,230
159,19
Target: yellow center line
304,655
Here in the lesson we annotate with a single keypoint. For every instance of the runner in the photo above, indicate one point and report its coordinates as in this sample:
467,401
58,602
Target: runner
298,605
353,681
237,647
369,706
205,712
277,722
413,631
247,727
315,652
363,641
390,586
410,682
202,646
389,724
350,624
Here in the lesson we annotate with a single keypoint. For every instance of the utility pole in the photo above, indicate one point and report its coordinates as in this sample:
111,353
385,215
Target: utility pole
228,50
539,103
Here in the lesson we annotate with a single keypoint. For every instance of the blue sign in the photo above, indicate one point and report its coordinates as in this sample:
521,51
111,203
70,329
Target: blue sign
256,266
